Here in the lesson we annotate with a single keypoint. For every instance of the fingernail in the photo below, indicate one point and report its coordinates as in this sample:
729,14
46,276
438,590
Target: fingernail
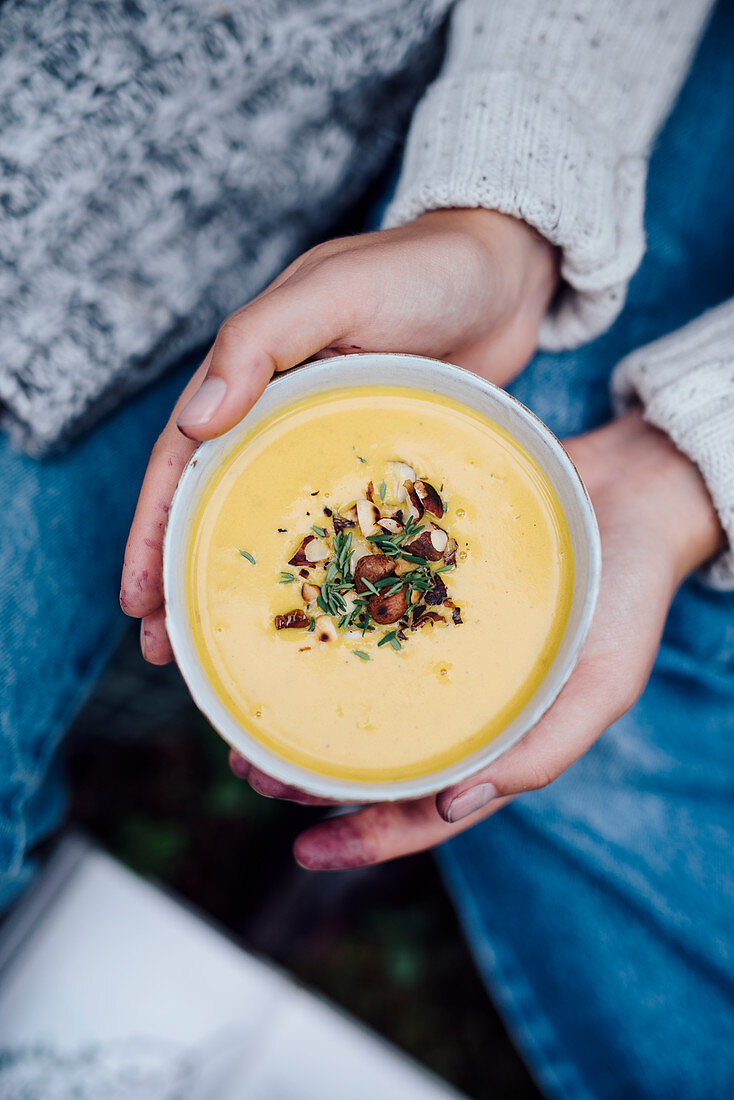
332,846
468,802
142,638
203,404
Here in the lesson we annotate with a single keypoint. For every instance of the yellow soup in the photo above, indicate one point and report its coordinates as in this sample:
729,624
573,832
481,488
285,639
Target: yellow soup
349,707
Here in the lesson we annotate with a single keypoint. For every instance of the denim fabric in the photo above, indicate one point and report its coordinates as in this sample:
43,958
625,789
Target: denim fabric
65,521
601,910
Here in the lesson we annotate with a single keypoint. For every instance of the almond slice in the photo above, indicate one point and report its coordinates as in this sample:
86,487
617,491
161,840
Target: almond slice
310,551
413,504
367,516
430,543
429,498
400,472
317,551
292,619
325,630
391,526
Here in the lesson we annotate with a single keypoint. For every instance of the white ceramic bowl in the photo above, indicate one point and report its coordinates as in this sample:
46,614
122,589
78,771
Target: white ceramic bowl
429,375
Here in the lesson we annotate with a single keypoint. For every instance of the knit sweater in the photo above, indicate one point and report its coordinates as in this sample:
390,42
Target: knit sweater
547,110
162,160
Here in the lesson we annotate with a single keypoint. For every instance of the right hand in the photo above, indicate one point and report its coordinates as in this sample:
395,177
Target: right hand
470,286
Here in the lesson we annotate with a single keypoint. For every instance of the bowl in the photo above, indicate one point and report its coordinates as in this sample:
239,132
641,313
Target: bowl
426,375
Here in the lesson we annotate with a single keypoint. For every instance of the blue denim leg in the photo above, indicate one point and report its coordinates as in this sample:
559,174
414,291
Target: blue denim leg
601,910
64,529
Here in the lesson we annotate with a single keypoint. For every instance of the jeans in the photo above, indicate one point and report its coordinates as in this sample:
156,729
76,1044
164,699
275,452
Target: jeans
66,521
600,910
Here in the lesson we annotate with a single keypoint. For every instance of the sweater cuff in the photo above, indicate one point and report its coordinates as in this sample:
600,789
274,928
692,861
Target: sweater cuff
506,142
686,385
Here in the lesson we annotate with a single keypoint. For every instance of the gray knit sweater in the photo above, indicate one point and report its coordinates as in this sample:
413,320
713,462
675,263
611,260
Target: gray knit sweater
161,160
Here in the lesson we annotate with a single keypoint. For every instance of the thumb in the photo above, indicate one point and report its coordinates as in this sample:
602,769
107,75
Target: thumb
284,326
583,711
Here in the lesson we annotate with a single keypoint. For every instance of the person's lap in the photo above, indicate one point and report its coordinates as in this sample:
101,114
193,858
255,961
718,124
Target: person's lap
65,524
600,909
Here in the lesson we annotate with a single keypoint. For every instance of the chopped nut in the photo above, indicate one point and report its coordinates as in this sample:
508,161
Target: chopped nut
349,513
357,554
400,472
325,629
386,609
367,516
415,596
449,554
422,617
292,619
429,498
430,543
402,567
310,592
436,594
341,523
391,526
304,573
311,550
456,616
370,494
412,501
373,568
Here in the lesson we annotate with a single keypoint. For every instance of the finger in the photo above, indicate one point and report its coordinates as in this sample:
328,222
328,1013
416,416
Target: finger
583,711
283,327
269,787
272,788
378,833
141,589
154,641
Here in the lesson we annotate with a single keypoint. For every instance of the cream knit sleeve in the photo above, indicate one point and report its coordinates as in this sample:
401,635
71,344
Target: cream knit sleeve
686,383
546,110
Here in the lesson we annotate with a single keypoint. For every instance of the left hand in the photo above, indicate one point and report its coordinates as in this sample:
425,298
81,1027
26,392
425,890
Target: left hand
657,524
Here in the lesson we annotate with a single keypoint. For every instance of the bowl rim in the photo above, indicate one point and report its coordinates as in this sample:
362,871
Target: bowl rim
187,494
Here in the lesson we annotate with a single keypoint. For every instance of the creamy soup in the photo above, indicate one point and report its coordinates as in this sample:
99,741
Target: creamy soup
288,640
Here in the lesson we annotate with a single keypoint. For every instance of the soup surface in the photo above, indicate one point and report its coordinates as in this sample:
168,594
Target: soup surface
347,706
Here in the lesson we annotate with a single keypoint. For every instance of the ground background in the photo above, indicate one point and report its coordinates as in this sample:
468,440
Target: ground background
150,783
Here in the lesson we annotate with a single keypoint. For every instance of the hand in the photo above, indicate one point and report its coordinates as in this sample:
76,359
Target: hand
657,524
468,285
